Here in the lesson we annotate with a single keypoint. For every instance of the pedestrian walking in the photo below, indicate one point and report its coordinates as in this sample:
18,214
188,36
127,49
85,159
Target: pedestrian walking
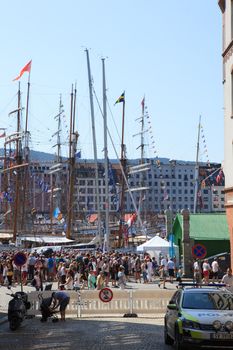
206,271
215,270
163,276
171,269
121,277
100,281
197,273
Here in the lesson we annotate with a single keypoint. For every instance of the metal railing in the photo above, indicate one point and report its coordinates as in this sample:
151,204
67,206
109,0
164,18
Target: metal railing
86,303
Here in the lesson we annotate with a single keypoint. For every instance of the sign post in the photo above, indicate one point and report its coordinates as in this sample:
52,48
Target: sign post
20,259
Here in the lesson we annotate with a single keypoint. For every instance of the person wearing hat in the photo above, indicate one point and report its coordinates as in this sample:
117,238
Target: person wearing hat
121,277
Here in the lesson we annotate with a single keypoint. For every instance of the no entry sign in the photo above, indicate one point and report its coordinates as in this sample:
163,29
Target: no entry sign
199,251
105,295
20,259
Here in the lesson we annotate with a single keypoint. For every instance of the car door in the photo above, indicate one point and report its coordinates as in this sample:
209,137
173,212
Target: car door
172,315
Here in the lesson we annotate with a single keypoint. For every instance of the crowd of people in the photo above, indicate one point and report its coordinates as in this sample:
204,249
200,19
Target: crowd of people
204,272
76,270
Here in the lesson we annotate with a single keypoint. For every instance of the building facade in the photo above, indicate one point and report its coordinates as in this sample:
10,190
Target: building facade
227,54
169,186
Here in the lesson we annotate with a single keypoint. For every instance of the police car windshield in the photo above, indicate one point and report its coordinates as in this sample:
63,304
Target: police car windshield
208,301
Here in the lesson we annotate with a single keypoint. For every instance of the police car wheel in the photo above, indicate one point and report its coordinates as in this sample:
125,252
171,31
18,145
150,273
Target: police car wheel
178,340
167,339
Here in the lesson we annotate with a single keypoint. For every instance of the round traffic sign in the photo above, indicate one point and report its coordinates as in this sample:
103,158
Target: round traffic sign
199,251
20,259
106,295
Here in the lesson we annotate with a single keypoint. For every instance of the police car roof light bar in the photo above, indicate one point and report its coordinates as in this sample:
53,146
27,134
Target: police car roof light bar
194,284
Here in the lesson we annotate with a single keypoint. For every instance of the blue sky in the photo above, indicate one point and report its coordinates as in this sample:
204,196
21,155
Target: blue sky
169,51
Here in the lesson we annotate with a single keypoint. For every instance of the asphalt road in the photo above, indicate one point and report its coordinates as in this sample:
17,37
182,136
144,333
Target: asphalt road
85,334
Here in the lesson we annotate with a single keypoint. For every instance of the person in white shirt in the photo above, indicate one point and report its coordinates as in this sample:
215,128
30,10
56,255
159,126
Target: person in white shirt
206,271
164,262
228,279
171,269
215,269
197,273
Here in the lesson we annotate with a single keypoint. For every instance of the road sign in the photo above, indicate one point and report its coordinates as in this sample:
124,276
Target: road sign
199,251
106,295
20,259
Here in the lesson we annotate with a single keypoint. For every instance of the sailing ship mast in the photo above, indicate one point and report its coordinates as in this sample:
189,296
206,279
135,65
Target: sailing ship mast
13,170
94,147
143,166
56,168
18,158
196,175
72,150
106,241
25,206
123,165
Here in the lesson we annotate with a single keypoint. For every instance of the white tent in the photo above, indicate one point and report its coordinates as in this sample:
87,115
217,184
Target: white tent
157,246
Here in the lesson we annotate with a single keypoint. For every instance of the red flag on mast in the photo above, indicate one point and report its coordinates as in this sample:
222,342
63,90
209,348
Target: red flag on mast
26,68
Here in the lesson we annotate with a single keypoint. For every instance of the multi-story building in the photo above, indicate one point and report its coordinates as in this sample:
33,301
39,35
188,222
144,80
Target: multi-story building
170,185
227,54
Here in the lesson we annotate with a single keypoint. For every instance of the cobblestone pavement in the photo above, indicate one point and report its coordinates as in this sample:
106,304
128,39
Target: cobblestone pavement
86,334
89,334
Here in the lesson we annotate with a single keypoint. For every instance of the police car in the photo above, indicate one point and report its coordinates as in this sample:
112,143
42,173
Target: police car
201,316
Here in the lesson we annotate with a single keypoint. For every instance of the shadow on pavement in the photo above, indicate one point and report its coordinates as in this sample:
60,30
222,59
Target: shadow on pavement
88,334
